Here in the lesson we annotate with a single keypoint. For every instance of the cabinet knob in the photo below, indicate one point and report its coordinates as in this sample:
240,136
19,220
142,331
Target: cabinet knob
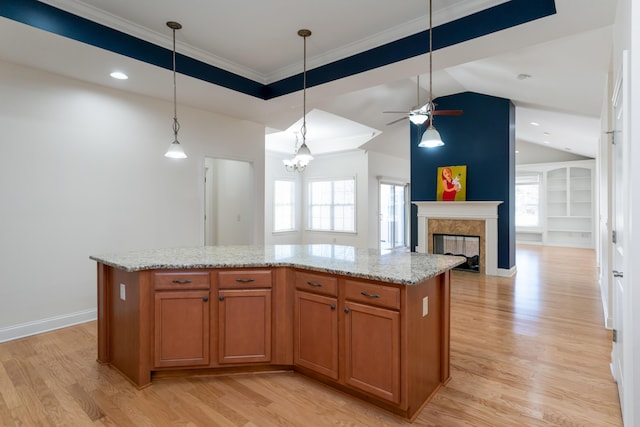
617,273
205,299
221,297
314,284
181,282
245,280
333,306
346,309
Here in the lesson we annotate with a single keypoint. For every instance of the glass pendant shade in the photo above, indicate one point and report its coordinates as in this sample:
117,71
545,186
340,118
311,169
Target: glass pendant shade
431,138
175,151
303,156
417,118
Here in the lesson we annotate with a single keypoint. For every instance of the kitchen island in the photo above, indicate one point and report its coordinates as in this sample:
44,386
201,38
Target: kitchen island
375,325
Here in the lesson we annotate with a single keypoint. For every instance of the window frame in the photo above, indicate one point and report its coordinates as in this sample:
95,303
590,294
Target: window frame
332,205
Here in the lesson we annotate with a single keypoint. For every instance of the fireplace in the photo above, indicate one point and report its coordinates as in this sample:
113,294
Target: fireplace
465,246
475,218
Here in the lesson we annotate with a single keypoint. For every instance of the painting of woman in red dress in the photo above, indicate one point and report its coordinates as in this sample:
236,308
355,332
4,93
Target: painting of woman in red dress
452,179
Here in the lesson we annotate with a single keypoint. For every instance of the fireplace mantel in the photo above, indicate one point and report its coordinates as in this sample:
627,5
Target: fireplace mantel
480,210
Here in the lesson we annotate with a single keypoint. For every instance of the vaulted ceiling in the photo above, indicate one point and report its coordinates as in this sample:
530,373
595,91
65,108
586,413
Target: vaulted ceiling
244,59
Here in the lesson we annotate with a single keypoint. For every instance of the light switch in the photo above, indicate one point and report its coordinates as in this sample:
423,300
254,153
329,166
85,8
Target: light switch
123,292
425,306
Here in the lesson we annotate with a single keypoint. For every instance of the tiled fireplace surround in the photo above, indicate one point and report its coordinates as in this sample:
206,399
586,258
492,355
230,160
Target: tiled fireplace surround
462,219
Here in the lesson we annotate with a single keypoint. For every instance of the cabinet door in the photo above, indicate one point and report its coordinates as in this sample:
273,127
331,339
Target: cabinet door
244,326
372,350
181,328
316,333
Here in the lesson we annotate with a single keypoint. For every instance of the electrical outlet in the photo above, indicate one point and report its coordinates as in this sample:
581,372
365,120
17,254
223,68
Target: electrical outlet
425,306
123,292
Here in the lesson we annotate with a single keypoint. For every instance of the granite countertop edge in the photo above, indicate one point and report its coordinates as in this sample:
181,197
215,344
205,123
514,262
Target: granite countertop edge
426,265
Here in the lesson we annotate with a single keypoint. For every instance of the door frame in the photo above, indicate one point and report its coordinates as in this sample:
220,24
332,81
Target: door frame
627,337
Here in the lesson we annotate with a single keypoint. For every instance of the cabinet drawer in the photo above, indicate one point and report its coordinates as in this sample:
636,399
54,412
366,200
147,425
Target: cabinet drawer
181,280
317,283
369,293
243,279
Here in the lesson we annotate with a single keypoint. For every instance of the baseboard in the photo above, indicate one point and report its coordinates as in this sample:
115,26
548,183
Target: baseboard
507,272
45,325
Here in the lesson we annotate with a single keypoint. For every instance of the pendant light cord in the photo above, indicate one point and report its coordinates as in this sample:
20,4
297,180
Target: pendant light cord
176,125
430,59
304,92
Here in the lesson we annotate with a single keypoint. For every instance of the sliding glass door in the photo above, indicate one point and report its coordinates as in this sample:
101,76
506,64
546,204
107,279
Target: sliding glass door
393,216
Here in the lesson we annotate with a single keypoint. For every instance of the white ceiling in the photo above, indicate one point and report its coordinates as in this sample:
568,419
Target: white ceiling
566,54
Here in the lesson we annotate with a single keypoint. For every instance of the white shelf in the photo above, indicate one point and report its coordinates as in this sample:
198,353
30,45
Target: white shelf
567,204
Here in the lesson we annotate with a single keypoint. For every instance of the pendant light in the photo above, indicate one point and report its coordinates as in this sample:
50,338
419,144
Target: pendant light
175,150
431,137
303,154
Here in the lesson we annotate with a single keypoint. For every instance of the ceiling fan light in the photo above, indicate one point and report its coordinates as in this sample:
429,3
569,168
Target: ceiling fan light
418,118
431,138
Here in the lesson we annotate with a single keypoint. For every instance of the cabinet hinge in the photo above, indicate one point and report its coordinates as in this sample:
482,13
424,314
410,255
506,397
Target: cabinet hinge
613,136
614,236
615,335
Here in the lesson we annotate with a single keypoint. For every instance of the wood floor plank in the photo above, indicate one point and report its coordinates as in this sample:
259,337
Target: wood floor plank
530,350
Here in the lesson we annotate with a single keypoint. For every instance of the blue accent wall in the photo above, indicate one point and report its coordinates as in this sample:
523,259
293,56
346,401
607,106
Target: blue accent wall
483,138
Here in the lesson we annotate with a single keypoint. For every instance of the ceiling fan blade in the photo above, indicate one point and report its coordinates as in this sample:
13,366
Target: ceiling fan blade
397,120
446,112
395,112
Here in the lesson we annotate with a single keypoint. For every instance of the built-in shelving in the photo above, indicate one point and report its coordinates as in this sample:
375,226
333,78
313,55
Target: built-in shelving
566,205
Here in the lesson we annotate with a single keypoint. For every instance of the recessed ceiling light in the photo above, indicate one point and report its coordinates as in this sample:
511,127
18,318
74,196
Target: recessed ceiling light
517,151
119,75
535,124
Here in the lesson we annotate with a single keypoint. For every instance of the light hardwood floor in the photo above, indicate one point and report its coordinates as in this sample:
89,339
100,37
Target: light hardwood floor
525,351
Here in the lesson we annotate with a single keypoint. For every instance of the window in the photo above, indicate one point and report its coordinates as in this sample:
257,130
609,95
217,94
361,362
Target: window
284,204
332,205
528,199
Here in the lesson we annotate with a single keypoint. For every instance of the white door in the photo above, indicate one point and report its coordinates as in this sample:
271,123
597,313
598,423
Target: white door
619,209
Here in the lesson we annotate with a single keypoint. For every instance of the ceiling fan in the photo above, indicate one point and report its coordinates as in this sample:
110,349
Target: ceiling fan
421,114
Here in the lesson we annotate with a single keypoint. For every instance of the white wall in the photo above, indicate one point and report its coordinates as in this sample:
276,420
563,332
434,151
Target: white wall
82,172
530,153
391,168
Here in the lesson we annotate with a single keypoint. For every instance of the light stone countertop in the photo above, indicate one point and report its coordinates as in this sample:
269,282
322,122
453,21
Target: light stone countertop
400,267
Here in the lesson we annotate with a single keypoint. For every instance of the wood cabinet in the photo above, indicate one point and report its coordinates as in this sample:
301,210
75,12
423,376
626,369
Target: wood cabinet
383,342
181,319
316,324
370,346
372,339
244,316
